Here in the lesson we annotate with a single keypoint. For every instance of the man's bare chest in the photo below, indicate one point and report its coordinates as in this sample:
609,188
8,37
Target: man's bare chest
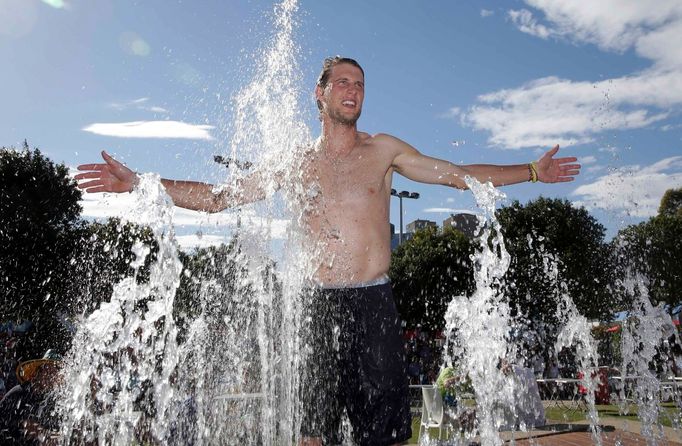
348,180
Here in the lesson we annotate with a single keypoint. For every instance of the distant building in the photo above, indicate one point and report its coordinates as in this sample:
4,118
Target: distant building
394,237
466,223
410,229
419,224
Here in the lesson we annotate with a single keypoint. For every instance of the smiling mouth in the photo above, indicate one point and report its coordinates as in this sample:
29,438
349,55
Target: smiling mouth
348,103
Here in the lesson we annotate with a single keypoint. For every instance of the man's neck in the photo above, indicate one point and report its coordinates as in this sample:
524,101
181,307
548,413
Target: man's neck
338,140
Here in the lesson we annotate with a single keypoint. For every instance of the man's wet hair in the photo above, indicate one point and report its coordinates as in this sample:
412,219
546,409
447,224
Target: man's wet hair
327,65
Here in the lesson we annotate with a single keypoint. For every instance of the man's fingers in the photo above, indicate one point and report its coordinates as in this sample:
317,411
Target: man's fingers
568,159
564,179
94,190
89,184
552,151
92,166
571,172
571,166
86,175
110,160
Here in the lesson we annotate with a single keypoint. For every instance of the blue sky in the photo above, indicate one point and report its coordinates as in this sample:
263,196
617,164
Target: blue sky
471,82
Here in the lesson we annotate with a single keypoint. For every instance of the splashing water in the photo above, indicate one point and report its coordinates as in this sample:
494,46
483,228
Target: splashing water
646,329
234,378
478,326
259,354
575,332
128,344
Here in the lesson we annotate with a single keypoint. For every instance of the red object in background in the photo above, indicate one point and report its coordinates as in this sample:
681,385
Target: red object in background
409,334
602,394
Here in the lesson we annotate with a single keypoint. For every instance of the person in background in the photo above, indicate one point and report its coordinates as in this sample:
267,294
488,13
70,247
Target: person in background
26,410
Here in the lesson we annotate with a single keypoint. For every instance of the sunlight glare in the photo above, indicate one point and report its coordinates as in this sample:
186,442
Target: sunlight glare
57,4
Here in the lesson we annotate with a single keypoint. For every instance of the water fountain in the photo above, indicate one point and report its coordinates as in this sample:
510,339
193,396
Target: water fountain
235,377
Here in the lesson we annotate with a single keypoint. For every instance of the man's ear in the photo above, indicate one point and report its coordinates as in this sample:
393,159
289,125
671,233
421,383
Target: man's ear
319,93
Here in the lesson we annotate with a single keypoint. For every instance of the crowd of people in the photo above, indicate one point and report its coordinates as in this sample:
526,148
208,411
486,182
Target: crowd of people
424,359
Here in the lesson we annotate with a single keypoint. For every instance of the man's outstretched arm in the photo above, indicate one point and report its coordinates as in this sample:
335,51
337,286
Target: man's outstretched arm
425,169
113,176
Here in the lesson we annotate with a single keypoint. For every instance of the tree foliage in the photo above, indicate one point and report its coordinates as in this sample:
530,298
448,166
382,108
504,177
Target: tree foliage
105,252
55,266
654,250
38,216
546,230
427,271
212,277
671,203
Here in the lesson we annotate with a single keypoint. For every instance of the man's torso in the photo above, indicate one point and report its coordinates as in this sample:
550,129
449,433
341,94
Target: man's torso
347,211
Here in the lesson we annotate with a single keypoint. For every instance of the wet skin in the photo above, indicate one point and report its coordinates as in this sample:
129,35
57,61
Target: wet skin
347,178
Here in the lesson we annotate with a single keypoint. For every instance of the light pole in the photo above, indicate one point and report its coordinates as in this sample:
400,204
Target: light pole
241,165
403,194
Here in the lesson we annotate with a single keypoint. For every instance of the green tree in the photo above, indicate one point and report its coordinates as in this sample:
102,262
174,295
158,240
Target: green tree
104,254
213,278
545,228
671,203
654,250
38,214
427,271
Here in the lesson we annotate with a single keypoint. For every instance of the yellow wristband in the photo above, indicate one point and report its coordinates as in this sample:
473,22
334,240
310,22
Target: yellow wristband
533,169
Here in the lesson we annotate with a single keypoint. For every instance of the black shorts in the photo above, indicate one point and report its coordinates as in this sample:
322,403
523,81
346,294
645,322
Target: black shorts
354,359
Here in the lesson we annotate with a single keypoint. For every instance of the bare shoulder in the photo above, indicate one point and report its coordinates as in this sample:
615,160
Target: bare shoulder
387,143
390,147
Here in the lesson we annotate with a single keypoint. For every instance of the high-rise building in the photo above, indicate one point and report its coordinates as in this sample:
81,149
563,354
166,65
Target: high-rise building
466,223
418,224
394,237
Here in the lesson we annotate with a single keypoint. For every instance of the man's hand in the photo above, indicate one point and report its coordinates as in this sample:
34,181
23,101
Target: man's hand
111,176
551,170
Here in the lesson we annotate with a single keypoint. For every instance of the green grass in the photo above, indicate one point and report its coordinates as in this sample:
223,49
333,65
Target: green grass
669,411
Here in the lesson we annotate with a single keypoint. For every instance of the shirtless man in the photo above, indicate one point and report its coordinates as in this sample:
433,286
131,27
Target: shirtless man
352,170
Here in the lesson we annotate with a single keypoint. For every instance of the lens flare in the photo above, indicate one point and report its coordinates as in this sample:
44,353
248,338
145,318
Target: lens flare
133,44
57,4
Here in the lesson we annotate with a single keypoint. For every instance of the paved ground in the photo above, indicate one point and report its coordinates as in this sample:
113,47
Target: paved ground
615,433
615,438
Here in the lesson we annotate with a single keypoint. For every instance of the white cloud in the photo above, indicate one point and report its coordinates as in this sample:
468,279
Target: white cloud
448,211
453,112
632,190
525,22
589,159
102,206
139,103
487,12
553,110
610,24
669,127
151,129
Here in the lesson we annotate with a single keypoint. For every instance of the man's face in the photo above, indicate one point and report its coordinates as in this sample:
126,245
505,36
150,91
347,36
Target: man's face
342,97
